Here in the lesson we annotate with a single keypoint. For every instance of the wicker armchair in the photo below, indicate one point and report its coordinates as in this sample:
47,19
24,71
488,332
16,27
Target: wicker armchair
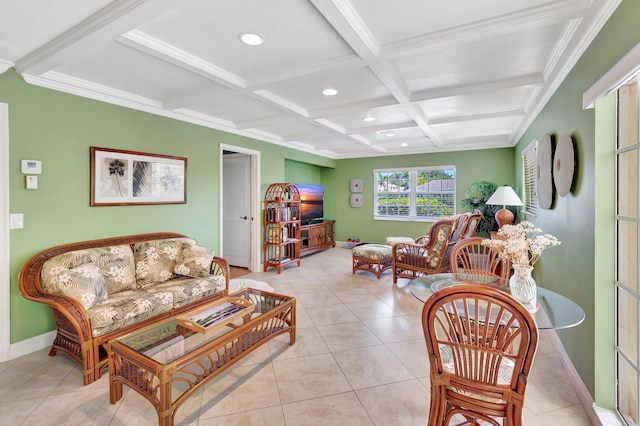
411,260
471,261
480,360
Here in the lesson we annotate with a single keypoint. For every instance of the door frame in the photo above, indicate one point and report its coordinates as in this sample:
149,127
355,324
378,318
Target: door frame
5,282
254,202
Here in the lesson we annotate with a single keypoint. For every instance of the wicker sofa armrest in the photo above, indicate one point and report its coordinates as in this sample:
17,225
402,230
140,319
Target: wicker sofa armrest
220,266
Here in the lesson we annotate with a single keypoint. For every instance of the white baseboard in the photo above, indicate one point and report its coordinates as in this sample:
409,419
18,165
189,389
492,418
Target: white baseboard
586,400
33,344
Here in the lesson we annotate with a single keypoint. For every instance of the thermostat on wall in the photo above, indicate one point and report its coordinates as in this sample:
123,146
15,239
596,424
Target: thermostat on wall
31,167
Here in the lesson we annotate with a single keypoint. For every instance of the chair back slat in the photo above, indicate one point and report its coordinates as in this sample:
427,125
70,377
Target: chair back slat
481,344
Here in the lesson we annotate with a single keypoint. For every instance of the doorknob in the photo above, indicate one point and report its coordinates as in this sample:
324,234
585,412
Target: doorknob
244,217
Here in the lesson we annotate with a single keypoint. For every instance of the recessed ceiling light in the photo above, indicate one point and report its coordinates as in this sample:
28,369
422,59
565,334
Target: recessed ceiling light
390,133
404,144
329,92
369,119
252,39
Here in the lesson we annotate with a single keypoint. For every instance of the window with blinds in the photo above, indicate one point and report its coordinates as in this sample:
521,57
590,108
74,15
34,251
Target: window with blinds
529,169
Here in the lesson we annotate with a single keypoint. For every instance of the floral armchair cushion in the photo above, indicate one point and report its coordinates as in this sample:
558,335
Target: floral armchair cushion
195,261
156,260
115,264
439,246
186,290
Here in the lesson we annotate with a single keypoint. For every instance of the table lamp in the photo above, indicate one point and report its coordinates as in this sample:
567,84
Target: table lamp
504,196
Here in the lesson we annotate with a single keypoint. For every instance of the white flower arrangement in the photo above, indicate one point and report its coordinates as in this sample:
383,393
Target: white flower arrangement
521,244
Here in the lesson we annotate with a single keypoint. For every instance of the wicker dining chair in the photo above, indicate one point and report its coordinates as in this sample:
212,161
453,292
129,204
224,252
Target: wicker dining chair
471,261
481,344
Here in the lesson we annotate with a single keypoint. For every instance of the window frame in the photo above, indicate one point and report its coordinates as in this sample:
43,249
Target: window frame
529,171
412,193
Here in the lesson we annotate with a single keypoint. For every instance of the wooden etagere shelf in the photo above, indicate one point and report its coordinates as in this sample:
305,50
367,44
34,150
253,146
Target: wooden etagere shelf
281,226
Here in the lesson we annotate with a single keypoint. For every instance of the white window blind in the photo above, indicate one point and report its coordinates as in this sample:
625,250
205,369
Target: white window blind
529,167
414,194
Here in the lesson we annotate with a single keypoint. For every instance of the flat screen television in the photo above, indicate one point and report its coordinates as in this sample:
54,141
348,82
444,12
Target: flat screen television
311,205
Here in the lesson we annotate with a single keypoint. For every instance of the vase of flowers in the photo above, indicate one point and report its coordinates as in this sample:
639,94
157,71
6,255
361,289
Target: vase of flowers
522,245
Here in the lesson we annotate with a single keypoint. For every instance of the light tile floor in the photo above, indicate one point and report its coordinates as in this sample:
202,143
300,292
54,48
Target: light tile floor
359,359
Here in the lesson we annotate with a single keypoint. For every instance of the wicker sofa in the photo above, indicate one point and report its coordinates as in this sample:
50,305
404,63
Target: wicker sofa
101,289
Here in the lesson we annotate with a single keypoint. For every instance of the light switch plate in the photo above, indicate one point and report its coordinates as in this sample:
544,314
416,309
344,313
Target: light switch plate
16,221
32,182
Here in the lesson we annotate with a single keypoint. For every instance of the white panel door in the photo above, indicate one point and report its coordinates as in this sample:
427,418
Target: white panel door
237,209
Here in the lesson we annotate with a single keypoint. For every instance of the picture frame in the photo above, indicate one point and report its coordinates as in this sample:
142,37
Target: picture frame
123,178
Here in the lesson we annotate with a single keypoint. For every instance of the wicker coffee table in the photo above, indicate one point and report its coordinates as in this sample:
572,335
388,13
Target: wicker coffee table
167,362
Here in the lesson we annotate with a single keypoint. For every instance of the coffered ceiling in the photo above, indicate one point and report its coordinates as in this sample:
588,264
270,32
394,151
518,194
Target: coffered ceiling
436,76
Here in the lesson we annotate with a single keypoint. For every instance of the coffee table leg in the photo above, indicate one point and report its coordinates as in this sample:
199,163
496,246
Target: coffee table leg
165,409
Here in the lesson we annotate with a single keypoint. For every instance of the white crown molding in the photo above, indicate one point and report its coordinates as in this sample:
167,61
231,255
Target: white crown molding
101,28
85,89
623,70
5,65
595,24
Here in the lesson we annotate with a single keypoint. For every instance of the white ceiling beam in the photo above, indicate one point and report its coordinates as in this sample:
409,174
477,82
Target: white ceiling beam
381,128
354,107
101,28
346,21
422,120
465,89
392,80
168,53
534,17
281,102
477,117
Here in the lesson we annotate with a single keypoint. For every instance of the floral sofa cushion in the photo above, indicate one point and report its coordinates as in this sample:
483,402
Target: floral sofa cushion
115,264
187,290
156,260
195,261
84,283
128,307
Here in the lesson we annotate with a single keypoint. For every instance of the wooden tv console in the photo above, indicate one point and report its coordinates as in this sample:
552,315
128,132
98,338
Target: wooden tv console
317,236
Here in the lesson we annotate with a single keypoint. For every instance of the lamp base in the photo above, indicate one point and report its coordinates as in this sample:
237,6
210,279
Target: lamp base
504,217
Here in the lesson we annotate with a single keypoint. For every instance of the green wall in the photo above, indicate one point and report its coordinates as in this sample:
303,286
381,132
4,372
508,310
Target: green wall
495,165
297,172
583,220
58,129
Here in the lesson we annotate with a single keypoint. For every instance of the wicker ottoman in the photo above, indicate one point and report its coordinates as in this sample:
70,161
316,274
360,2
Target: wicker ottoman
374,258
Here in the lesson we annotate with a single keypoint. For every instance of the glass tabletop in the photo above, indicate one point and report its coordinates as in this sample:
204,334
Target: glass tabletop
167,340
554,310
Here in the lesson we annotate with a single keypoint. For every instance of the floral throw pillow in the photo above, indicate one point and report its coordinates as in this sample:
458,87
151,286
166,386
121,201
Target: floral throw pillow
115,264
195,261
156,260
84,283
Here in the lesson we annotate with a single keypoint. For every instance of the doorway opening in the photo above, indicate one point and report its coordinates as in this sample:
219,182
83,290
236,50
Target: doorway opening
240,206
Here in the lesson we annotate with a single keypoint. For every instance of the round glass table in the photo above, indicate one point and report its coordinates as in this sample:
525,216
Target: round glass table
554,310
